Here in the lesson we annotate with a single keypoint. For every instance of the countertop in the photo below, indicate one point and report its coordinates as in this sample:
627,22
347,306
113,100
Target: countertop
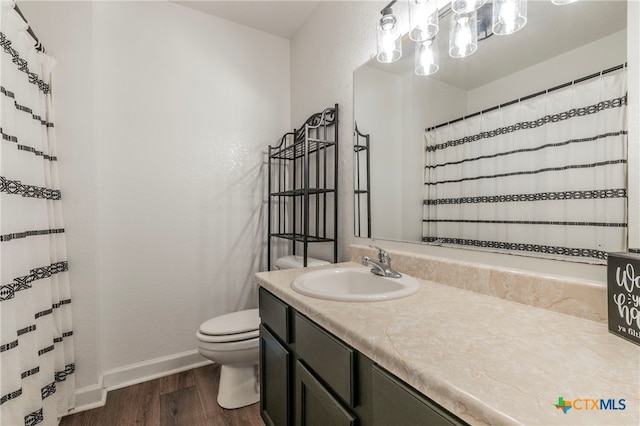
485,359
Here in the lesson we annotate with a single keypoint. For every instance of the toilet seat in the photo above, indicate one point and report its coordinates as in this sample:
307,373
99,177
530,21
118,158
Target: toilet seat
229,338
233,327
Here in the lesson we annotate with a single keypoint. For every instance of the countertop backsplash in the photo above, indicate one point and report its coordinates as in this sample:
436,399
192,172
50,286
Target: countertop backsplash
575,297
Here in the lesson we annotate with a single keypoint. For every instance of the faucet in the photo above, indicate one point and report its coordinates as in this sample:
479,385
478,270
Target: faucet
381,267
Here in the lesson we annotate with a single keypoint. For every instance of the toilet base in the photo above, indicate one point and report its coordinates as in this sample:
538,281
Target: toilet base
238,386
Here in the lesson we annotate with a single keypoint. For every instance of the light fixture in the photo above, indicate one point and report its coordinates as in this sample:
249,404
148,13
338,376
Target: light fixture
509,16
427,59
466,6
463,37
389,37
561,2
423,19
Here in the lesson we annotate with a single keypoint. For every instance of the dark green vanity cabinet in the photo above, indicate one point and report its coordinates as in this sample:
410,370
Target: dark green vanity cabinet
309,377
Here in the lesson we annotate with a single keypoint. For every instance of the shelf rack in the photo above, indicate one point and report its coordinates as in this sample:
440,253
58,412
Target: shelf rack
302,182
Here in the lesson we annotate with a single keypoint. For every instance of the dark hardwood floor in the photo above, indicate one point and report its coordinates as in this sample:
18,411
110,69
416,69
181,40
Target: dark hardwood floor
187,398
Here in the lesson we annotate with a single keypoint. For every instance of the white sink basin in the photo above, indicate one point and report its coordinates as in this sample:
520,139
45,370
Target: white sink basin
353,285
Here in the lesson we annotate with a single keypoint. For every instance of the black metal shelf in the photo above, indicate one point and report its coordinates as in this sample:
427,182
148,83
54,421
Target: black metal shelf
297,150
302,191
301,238
303,178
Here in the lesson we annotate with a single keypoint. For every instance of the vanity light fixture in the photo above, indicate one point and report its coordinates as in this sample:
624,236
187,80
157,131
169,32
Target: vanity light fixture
427,59
463,37
509,16
389,36
423,19
500,17
466,6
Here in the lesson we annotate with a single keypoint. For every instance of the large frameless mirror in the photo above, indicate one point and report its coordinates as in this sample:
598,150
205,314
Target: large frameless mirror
394,108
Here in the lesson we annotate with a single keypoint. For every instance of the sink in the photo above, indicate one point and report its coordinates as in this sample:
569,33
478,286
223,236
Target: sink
354,284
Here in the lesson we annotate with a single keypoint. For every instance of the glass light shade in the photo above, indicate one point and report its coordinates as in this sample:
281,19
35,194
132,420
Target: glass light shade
509,16
427,60
466,6
423,19
561,2
463,37
389,39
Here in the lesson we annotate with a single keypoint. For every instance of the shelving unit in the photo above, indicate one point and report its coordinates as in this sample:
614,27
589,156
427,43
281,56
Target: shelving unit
302,182
362,187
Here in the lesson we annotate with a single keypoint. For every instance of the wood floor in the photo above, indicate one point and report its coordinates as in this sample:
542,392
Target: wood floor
187,398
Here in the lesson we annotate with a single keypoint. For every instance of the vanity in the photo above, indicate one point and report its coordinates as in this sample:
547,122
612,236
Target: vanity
309,376
444,355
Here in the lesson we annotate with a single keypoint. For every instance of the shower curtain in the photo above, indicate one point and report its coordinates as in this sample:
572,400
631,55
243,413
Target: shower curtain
36,345
544,175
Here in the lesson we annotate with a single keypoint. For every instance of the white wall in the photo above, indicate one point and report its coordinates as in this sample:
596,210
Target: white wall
163,115
588,59
322,63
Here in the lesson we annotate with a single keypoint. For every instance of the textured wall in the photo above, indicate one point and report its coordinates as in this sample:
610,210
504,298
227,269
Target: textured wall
186,108
163,114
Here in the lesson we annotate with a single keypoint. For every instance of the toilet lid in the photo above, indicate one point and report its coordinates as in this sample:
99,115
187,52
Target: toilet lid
233,323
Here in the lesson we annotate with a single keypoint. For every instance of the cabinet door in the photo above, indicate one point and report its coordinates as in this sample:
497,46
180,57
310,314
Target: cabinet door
274,380
315,404
395,403
327,356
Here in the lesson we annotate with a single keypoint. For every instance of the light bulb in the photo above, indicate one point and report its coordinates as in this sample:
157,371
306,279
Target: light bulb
463,38
423,19
466,6
509,16
389,38
427,60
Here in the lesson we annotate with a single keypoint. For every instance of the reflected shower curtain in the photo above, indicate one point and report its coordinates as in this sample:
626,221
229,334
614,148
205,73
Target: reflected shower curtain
546,175
36,345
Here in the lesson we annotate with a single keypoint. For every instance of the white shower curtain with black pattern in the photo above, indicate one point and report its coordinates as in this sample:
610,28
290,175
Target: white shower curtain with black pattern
36,345
545,175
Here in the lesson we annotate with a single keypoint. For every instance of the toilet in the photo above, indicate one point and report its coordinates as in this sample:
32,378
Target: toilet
231,340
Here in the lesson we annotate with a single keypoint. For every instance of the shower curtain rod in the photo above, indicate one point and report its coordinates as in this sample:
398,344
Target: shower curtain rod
570,83
39,46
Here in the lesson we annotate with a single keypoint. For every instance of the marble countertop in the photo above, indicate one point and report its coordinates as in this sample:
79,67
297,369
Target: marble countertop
485,359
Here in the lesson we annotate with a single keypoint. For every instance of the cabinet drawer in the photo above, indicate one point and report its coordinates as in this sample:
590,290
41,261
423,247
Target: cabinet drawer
275,314
330,359
396,403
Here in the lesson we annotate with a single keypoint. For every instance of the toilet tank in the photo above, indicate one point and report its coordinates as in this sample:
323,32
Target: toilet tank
293,262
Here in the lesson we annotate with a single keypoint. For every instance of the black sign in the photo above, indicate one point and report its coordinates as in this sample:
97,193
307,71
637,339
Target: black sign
623,295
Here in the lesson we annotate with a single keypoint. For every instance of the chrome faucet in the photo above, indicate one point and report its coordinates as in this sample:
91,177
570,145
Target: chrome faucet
381,267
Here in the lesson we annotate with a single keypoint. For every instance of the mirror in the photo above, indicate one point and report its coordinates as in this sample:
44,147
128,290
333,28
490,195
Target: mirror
393,106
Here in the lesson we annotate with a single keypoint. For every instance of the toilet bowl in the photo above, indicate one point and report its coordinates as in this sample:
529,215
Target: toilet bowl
232,340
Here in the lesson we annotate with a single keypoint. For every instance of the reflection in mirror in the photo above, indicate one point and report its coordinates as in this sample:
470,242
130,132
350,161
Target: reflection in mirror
362,183
559,44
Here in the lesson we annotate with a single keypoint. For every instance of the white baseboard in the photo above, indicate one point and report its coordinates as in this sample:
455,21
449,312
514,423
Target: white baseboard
96,395
90,397
153,369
